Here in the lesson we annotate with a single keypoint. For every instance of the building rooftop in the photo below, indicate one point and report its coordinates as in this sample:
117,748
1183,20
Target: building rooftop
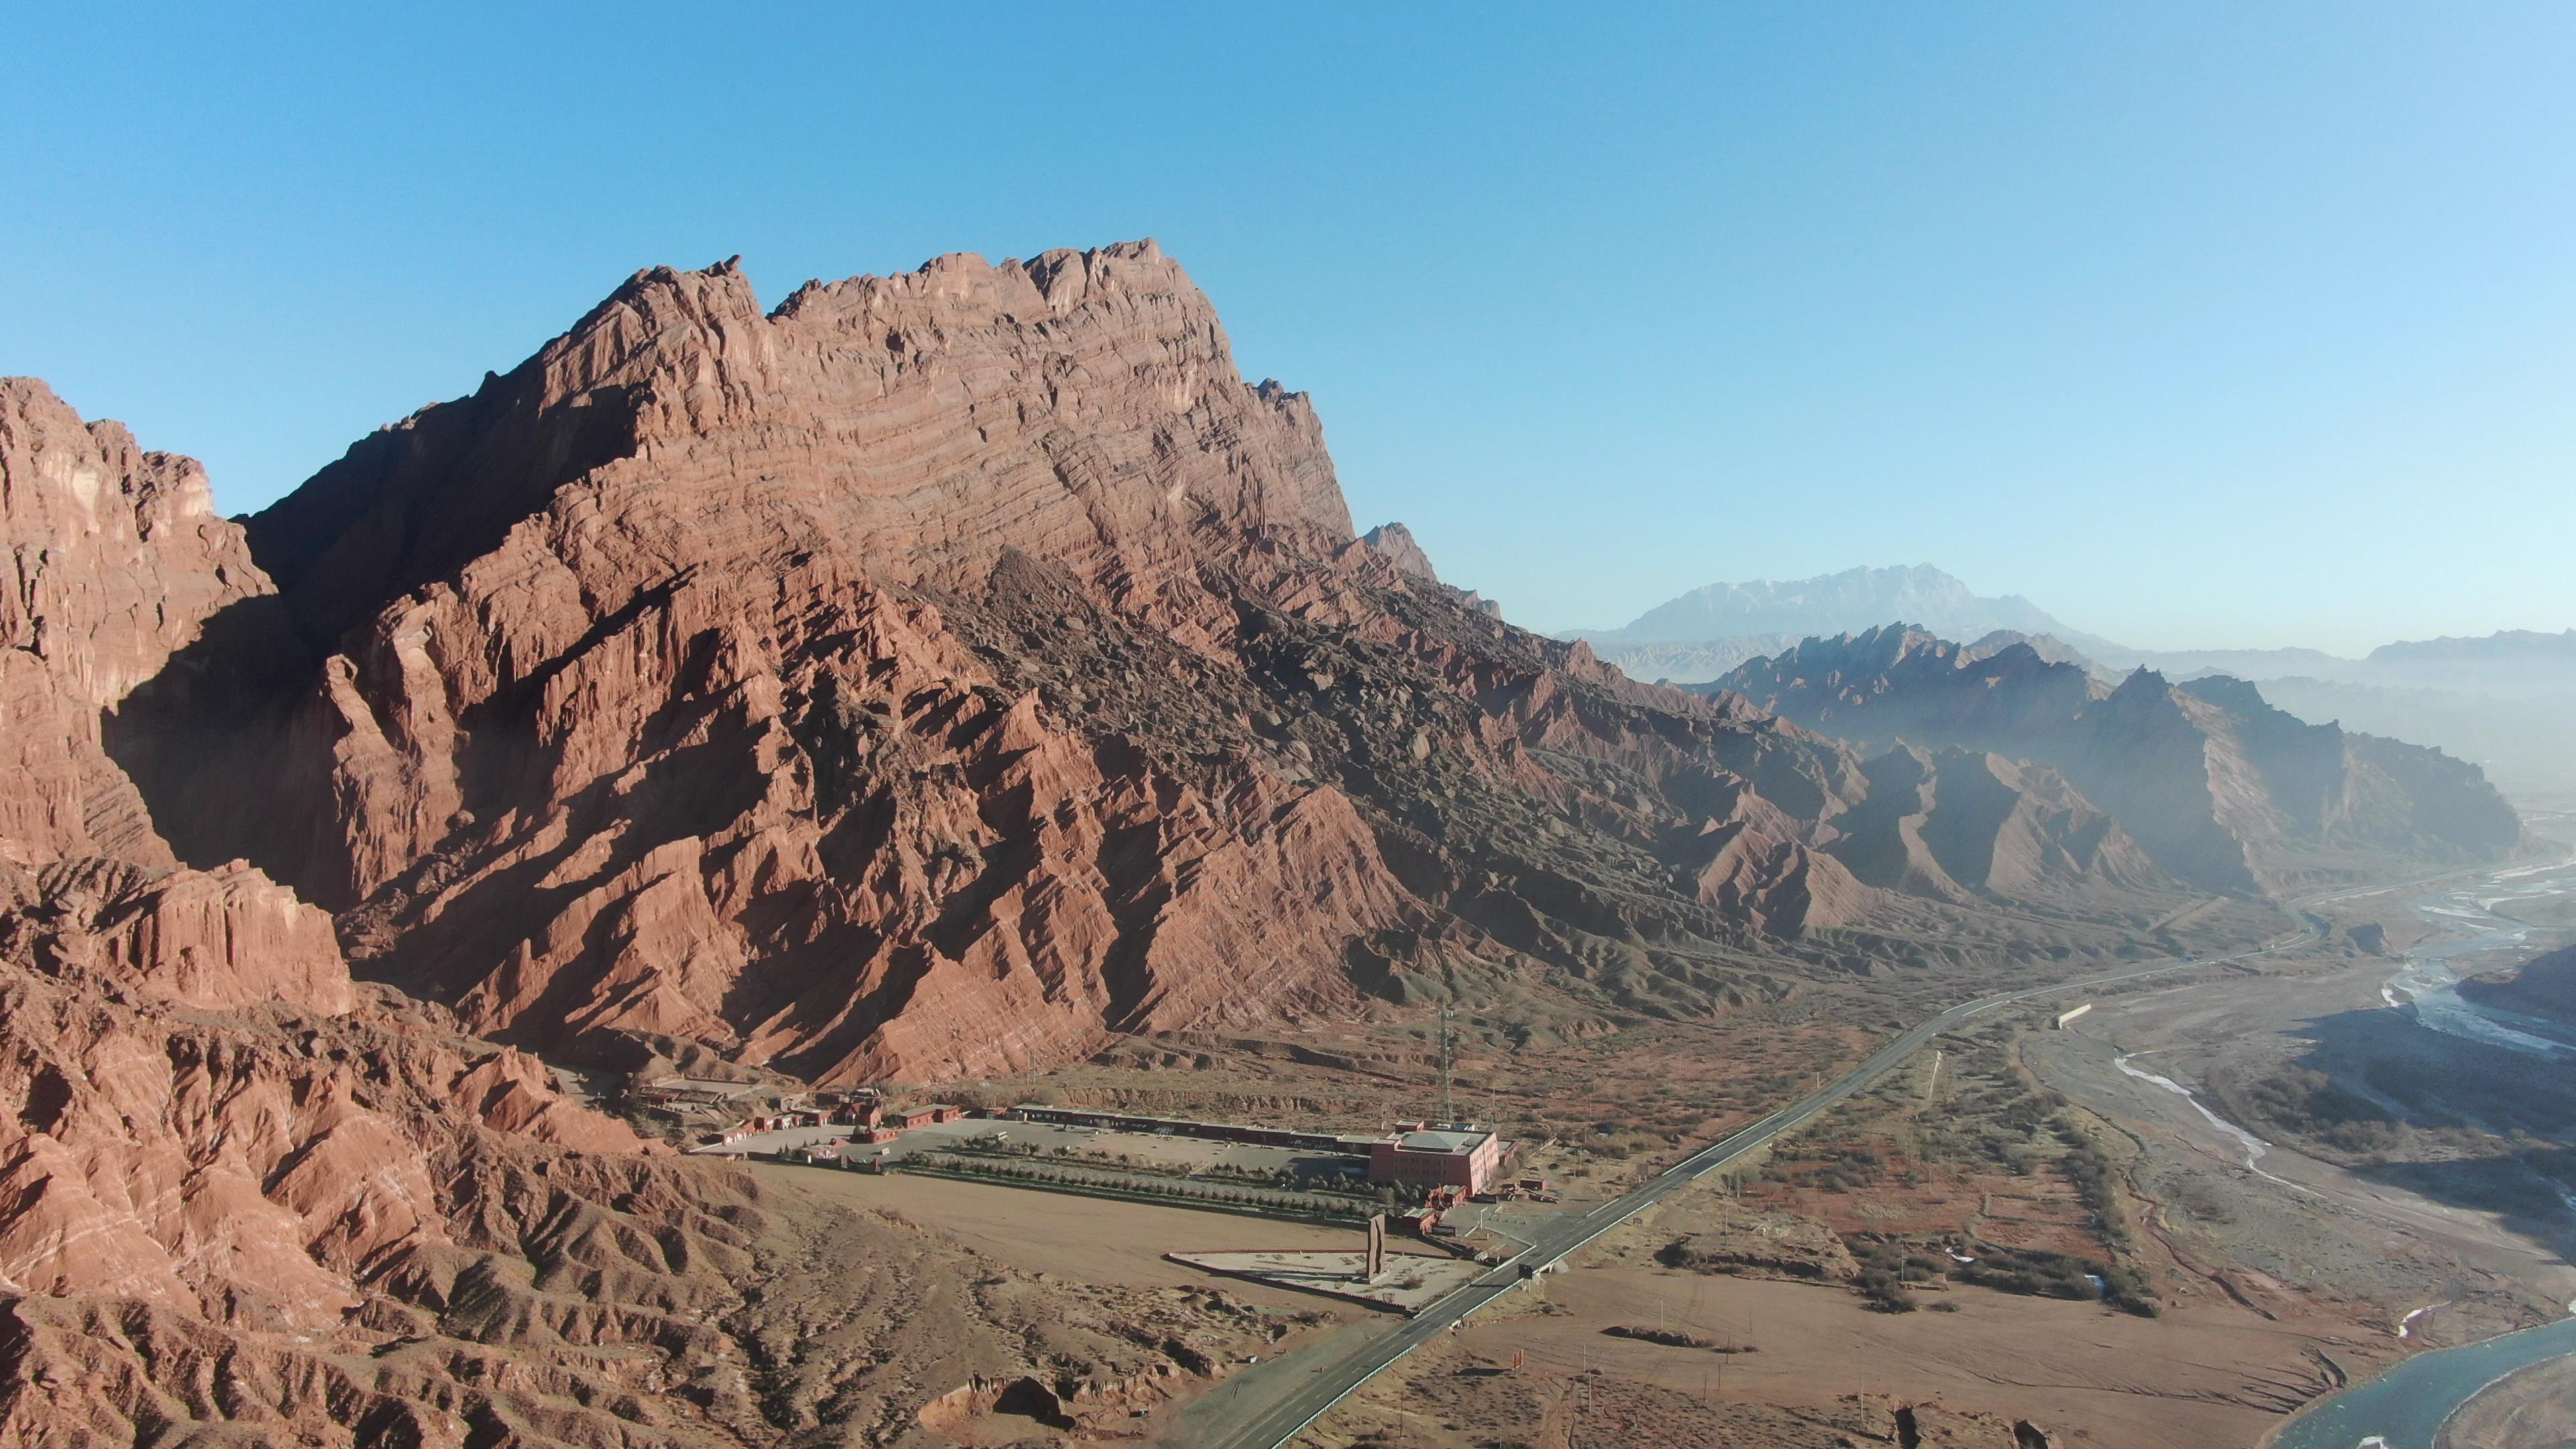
1443,1141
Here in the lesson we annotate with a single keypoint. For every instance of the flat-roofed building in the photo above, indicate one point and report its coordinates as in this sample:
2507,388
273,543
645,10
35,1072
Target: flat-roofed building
1462,1157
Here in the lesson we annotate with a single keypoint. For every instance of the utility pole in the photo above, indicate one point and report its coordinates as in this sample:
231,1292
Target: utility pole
1448,1113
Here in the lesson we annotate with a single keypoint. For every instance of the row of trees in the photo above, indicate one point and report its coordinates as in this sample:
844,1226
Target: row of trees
1048,1175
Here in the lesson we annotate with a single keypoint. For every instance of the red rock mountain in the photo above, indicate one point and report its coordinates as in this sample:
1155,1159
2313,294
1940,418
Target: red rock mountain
935,675
946,673
246,1200
217,1148
117,560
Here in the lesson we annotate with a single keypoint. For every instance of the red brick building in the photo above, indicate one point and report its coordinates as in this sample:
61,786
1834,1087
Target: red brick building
1462,1158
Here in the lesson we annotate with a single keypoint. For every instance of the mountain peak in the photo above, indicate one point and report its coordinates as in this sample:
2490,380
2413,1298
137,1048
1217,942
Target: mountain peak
1854,600
1396,542
1076,382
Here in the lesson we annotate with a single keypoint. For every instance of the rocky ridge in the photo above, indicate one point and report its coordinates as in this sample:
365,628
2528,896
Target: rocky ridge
2217,789
943,674
244,1199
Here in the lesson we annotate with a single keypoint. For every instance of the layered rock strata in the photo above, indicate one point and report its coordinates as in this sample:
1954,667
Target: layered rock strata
117,562
246,1200
936,675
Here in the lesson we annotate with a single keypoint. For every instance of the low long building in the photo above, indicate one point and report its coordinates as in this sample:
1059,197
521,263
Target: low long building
1182,1127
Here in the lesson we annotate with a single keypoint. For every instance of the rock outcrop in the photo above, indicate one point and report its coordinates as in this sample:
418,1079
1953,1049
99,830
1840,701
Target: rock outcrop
246,1200
209,940
1958,824
1395,543
2543,986
118,562
2216,788
936,675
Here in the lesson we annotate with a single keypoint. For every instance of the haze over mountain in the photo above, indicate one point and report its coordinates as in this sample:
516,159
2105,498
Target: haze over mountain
1854,599
2502,701
2223,791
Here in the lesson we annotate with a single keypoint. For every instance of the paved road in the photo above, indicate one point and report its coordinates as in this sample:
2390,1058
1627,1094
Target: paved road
1332,1379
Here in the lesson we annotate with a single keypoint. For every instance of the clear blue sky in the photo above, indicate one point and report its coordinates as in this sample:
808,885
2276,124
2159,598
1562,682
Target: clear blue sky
2226,325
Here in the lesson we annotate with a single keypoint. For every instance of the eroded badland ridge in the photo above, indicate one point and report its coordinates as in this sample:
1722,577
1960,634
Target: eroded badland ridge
936,677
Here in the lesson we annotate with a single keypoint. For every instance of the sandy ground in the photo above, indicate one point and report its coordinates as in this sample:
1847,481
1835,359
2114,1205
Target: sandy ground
2289,1277
2534,1409
1411,1282
1091,1240
1097,1241
2379,1249
2213,1375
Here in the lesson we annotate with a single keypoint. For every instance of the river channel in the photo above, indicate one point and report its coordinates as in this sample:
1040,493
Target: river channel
2405,1407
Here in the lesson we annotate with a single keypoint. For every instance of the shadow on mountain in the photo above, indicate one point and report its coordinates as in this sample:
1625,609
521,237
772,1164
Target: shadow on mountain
2464,1123
204,741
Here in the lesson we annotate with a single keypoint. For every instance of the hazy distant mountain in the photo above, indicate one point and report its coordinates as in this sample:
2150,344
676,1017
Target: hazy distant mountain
2514,664
1842,603
1692,663
2242,663
2504,702
2046,646
2520,646
2222,790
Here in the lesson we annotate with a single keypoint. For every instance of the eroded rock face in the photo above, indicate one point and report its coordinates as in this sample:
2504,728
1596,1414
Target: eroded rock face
117,562
1395,543
1954,824
224,1179
211,940
260,1170
935,676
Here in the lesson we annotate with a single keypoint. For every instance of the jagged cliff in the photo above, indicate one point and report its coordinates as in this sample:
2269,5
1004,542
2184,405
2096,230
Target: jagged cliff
934,675
117,560
2217,789
244,1199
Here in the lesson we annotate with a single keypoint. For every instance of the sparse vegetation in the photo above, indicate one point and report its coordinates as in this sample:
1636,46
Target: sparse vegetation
1077,1179
1675,1338
2311,1105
